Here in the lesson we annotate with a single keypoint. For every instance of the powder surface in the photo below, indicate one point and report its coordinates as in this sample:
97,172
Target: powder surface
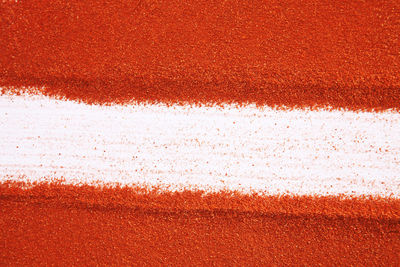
295,59
312,187
276,53
297,152
58,225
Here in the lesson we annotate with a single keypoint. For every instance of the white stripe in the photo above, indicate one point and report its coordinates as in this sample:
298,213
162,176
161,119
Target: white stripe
298,152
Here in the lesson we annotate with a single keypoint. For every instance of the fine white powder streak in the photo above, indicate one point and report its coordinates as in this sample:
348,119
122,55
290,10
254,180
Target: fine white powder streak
297,152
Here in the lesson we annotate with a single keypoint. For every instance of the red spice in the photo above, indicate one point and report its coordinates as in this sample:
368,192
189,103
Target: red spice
308,54
313,53
194,200
85,225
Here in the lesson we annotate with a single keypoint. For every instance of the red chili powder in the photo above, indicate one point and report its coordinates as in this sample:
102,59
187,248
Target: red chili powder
278,53
46,224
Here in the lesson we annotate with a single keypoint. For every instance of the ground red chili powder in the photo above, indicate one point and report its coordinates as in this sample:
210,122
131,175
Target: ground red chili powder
309,53
278,53
85,225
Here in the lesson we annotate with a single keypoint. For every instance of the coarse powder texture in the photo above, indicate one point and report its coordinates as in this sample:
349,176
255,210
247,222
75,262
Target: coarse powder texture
69,225
297,152
72,192
199,133
276,53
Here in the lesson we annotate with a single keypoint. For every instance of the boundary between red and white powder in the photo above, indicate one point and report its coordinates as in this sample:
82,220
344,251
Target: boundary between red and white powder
295,152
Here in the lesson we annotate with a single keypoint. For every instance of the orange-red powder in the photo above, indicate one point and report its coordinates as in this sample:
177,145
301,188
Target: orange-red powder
85,225
277,53
310,53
